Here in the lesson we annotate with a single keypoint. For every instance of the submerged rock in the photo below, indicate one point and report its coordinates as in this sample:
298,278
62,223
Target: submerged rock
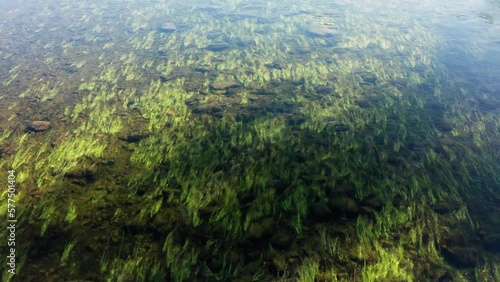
322,30
168,27
202,69
225,84
38,125
217,47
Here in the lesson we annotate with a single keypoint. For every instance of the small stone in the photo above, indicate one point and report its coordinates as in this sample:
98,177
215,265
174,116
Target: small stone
168,27
37,126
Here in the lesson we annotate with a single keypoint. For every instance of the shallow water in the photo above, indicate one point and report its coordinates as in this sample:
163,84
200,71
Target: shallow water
261,141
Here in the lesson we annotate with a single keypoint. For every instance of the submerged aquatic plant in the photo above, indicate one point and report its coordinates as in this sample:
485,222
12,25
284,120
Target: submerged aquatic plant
224,140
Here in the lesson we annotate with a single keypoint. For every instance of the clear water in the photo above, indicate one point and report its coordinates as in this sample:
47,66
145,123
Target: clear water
252,140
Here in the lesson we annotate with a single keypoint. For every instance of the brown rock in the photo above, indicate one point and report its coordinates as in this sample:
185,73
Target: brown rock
38,125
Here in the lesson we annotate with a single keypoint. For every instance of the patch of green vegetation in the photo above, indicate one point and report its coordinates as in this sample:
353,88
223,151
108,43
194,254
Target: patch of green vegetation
48,216
70,153
72,213
392,264
308,270
67,251
489,271
136,268
182,259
